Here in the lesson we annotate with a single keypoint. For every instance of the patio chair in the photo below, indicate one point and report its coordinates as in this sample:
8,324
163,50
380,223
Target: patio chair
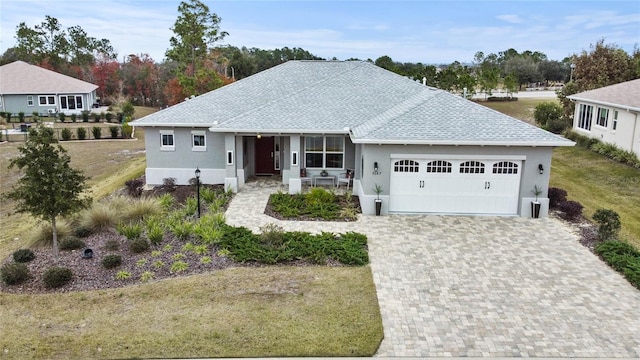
303,177
345,178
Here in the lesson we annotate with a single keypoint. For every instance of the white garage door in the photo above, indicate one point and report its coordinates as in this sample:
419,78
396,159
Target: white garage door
459,186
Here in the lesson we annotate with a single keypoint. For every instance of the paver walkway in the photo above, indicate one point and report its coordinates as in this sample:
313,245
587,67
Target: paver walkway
481,286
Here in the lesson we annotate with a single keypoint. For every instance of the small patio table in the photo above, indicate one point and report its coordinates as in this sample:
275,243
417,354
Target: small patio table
328,177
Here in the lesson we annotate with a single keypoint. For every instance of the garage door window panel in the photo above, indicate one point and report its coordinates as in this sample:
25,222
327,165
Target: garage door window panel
409,166
439,166
472,167
505,167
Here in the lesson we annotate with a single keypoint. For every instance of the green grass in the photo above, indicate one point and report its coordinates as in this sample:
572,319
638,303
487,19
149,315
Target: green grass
242,312
521,109
597,182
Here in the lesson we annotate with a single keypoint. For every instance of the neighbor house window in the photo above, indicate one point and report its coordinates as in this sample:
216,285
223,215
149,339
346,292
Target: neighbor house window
603,117
584,117
324,152
46,100
167,142
615,119
439,166
198,141
30,100
71,102
472,167
505,167
406,166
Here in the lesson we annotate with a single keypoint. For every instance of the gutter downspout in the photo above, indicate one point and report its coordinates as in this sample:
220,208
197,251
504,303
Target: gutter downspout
633,135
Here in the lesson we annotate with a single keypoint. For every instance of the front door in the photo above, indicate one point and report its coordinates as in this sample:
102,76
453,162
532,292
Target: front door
264,155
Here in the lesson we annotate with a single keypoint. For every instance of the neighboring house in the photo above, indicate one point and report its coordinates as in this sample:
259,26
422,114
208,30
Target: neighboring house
610,114
431,151
29,88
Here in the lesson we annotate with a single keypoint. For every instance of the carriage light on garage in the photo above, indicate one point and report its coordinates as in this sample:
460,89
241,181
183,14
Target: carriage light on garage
540,168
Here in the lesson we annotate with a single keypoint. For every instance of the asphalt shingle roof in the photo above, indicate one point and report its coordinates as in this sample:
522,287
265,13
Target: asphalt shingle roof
19,77
372,104
623,95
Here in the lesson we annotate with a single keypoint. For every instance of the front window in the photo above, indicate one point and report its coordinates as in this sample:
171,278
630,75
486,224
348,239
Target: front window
324,152
615,119
167,141
29,100
584,117
603,117
198,141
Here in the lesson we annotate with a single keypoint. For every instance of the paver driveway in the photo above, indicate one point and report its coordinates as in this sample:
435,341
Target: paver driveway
482,286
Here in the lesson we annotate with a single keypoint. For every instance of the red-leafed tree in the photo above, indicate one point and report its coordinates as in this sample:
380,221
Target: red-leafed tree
140,77
106,75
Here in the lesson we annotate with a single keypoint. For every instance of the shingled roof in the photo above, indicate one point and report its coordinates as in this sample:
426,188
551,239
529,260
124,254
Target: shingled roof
369,103
19,77
623,95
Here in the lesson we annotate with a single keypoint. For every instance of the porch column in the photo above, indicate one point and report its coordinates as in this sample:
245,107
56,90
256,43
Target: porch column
231,178
295,153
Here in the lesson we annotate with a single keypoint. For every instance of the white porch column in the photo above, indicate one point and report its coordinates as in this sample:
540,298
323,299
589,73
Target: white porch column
295,153
231,177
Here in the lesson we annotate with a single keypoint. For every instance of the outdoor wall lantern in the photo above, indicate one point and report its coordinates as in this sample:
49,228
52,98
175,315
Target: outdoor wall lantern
259,136
375,166
198,188
540,168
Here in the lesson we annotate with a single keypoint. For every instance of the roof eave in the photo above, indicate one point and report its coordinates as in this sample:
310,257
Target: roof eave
604,103
279,131
172,125
465,143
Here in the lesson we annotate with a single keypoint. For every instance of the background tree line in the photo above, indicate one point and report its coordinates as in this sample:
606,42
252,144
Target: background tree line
194,64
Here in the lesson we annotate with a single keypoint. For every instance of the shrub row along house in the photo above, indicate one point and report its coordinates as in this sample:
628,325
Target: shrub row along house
428,150
31,89
610,114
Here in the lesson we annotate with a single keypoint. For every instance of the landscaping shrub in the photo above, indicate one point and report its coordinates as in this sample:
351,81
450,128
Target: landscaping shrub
622,257
66,134
56,277
23,255
71,243
111,261
74,117
130,231
155,233
82,133
43,235
82,231
319,195
609,224
85,116
97,132
138,245
169,184
62,117
99,217
127,130
134,187
142,208
21,116
570,210
166,201
109,116
114,131
96,117
556,196
14,273
112,245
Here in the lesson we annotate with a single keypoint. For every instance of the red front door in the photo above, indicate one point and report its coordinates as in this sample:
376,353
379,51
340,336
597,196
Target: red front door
264,155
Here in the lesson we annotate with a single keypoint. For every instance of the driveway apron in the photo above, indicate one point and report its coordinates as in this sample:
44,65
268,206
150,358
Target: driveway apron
456,286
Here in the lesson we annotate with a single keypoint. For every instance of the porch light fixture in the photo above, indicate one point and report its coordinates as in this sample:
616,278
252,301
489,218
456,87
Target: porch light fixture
540,168
375,166
259,136
198,188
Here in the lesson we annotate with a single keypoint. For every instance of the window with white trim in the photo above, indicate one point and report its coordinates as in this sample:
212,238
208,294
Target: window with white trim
439,166
44,100
472,167
71,102
505,167
198,140
406,166
167,141
584,117
603,117
30,100
324,152
615,119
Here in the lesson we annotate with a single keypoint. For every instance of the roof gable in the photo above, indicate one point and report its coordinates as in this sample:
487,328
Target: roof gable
622,95
352,97
19,77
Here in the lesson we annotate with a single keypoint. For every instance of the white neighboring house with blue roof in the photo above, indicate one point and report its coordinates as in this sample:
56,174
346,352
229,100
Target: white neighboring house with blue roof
29,88
610,114
429,150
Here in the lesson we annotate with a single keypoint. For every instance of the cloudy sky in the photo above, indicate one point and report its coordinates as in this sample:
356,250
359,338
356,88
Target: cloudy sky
408,31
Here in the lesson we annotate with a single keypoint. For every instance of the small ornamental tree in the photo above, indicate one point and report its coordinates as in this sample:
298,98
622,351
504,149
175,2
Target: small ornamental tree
49,187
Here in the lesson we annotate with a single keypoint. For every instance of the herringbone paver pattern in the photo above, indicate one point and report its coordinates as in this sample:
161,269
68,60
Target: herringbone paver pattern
482,286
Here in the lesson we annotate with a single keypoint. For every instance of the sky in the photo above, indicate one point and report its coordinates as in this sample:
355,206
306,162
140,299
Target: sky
430,32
